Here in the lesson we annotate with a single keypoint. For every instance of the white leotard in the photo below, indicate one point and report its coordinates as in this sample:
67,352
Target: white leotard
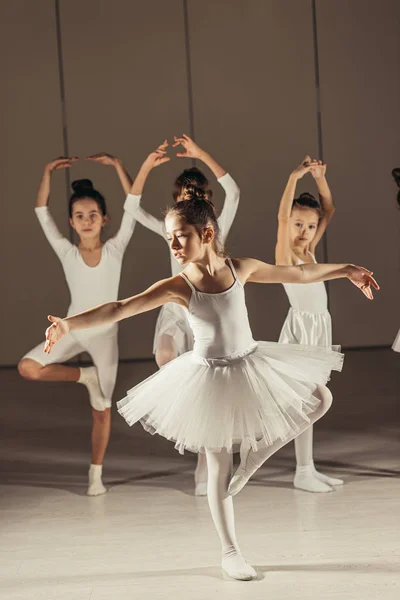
90,286
220,321
308,321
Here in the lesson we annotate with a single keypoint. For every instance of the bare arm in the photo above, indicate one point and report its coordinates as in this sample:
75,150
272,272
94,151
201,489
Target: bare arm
326,201
256,271
108,159
43,195
192,150
283,252
173,289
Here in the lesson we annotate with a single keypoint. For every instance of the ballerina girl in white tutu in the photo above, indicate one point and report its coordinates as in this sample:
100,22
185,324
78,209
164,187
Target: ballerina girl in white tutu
230,390
302,222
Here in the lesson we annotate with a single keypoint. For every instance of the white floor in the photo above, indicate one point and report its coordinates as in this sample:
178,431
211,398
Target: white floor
149,537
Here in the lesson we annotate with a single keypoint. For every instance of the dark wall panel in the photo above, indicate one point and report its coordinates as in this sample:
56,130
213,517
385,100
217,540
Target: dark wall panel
255,110
359,50
31,133
126,90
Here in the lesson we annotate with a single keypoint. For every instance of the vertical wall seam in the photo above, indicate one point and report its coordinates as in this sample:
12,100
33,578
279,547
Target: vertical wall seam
62,98
188,70
319,116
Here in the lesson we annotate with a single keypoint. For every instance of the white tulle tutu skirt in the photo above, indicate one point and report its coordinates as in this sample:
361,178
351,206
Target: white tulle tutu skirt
261,395
172,321
308,328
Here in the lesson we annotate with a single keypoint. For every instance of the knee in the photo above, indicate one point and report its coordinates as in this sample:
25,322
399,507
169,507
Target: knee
101,417
29,369
325,396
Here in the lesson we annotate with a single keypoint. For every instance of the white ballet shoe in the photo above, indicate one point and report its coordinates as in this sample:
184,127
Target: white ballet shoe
96,487
305,480
89,377
331,481
237,568
244,471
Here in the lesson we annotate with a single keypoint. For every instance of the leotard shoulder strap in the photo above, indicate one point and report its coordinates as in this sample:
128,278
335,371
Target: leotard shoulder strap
190,284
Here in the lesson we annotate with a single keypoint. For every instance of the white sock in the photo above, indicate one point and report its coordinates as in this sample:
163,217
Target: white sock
332,481
306,480
96,486
89,377
235,565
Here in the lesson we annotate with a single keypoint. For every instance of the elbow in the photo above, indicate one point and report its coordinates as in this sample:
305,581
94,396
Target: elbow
118,310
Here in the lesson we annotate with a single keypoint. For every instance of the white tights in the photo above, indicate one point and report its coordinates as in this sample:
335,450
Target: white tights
252,460
221,508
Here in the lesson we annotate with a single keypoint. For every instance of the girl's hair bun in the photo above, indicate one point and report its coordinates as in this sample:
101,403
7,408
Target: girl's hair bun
193,192
80,185
396,175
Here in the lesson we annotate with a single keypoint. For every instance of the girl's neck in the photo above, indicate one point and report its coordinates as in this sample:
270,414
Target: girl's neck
210,264
301,251
90,245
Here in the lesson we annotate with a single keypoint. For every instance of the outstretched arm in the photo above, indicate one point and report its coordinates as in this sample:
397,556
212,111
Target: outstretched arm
55,238
256,271
173,289
283,252
326,201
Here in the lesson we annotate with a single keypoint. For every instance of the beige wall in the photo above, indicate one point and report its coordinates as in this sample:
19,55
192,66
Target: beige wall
254,107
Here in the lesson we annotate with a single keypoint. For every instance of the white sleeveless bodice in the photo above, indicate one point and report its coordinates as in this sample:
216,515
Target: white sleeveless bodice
220,322
307,297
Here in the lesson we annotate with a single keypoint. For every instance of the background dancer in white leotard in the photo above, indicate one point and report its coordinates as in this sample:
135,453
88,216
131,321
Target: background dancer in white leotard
230,389
173,335
396,177
301,225
92,270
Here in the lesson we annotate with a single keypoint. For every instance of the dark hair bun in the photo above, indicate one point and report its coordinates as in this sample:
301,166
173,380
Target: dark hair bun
193,192
80,185
396,175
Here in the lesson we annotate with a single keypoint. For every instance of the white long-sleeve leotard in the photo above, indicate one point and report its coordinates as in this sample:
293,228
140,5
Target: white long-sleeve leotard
90,286
225,219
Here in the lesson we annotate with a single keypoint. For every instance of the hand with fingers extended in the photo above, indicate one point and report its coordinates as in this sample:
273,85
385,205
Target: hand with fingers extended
62,162
192,150
319,171
362,278
57,330
104,159
305,167
158,157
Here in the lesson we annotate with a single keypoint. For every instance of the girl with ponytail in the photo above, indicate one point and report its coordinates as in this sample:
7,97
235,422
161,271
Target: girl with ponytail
92,270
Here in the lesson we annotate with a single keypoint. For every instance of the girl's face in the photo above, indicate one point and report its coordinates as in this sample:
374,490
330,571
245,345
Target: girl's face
184,240
303,226
87,218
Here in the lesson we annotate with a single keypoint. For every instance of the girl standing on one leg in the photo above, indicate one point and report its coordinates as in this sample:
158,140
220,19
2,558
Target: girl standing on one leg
302,222
173,335
229,389
92,270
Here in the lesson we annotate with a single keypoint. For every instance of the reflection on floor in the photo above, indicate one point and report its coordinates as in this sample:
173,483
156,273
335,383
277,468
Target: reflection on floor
150,537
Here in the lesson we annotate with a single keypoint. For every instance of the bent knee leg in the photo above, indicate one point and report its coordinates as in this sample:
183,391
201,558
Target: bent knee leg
30,369
325,395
